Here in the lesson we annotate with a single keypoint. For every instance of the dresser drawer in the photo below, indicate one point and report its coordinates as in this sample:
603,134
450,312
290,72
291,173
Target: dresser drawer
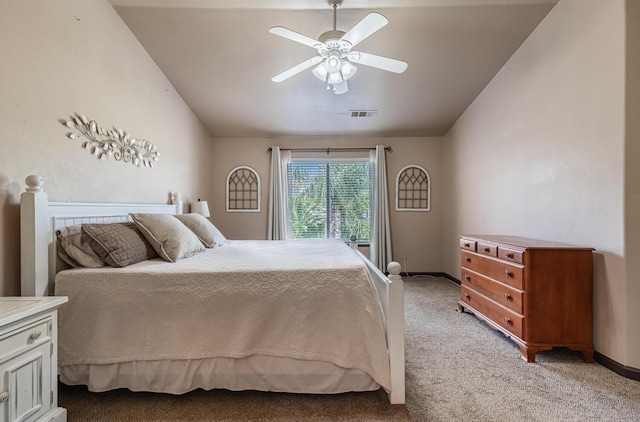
25,337
498,292
510,254
499,315
501,271
467,244
487,249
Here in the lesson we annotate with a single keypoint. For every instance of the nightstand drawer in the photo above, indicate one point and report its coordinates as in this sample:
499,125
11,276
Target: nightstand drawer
499,315
25,337
500,293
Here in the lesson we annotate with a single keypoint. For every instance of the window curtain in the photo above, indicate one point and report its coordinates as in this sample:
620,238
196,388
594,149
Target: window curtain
278,227
380,251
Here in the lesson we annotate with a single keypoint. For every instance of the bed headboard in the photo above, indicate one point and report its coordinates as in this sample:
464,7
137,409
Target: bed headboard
39,220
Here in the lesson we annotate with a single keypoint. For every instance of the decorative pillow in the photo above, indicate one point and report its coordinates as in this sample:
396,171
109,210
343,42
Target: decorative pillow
168,236
73,250
118,244
208,234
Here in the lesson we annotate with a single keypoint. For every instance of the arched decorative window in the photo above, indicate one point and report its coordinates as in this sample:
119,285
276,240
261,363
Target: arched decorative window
243,190
413,189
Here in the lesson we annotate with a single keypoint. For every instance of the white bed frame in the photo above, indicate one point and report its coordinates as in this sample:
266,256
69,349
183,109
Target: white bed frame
39,219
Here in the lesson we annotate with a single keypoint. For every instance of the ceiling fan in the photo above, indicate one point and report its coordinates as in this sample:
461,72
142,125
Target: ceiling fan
335,58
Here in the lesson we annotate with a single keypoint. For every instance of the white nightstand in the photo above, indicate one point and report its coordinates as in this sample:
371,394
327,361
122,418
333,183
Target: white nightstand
29,359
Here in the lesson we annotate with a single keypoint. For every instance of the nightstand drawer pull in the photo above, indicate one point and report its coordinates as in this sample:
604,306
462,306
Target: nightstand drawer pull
508,274
467,259
509,255
36,335
487,249
467,244
467,278
466,296
507,321
4,396
507,296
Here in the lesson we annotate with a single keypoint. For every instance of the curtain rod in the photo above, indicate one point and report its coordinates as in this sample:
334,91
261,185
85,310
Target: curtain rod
328,150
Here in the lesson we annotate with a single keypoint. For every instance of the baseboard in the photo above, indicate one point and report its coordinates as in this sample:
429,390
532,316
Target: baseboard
617,367
433,274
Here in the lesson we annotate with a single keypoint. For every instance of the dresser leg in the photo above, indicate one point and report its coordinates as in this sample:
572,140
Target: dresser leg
527,354
588,355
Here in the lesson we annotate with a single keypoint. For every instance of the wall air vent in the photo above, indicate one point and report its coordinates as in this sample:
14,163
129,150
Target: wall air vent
364,113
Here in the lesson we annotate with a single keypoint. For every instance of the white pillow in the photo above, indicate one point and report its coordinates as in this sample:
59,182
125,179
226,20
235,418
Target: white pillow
74,250
171,239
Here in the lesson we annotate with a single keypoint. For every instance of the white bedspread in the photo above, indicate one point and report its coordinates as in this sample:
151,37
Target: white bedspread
311,300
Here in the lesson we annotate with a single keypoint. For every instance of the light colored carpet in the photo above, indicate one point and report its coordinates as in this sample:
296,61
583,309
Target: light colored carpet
457,369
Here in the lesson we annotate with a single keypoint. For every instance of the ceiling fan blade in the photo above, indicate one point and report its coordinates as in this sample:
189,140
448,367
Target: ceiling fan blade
294,36
384,63
341,88
367,26
297,69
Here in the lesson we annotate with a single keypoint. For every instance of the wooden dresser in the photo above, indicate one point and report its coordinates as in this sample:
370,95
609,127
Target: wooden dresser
537,293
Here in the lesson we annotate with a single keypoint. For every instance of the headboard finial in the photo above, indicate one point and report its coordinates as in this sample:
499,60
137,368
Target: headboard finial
394,269
176,199
34,182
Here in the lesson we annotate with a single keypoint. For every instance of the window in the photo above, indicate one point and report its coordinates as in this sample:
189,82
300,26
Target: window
243,190
413,189
330,198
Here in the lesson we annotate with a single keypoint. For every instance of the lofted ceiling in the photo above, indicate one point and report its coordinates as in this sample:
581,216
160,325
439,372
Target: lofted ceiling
220,57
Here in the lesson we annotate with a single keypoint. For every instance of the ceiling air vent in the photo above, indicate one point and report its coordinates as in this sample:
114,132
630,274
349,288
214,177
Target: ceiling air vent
364,113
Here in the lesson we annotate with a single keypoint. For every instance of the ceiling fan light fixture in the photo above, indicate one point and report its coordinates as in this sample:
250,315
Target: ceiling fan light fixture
335,78
348,70
320,72
354,57
340,88
333,62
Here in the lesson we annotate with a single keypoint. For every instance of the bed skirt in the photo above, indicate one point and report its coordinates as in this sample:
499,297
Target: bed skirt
257,372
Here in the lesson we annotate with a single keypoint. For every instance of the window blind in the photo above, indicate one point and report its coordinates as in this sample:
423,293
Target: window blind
330,199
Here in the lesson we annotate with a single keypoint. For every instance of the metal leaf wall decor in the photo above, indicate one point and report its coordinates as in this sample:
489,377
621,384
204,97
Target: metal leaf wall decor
112,142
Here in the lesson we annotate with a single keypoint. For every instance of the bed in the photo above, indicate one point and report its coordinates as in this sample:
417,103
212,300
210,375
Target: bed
237,316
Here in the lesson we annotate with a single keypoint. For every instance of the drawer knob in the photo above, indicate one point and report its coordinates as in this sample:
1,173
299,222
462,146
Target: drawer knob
467,244
36,335
466,296
466,277
508,274
507,296
467,259
4,396
507,320
487,250
509,255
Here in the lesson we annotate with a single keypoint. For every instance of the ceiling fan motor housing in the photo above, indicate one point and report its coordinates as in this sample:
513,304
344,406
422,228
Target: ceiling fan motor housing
333,44
333,34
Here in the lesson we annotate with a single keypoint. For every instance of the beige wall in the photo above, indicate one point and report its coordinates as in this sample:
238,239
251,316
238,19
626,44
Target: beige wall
415,235
632,181
77,56
541,153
